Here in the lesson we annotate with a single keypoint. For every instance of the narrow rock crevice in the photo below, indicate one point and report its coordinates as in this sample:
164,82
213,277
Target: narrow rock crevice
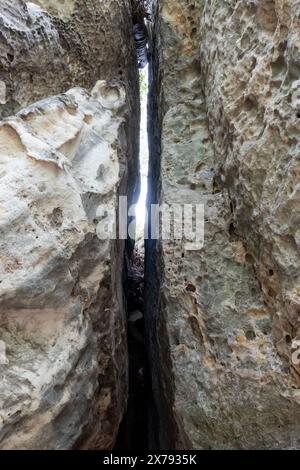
135,430
154,344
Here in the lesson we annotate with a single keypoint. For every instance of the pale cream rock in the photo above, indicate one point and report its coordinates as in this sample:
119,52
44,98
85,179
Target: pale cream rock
3,358
61,304
49,46
62,320
2,92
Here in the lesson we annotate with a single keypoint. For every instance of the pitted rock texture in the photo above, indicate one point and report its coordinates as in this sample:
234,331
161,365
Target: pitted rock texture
63,350
260,165
62,325
224,131
48,46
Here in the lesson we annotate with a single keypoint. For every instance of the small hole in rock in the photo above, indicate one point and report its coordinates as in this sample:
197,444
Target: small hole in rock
250,335
190,288
249,258
232,229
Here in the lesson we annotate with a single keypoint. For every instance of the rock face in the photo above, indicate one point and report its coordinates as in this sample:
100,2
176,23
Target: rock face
224,131
63,352
49,46
64,359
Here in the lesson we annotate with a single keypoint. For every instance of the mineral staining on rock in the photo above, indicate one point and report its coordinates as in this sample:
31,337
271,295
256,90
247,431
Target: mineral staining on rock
224,122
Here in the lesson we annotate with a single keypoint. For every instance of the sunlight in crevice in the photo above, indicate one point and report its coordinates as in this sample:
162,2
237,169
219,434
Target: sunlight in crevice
144,158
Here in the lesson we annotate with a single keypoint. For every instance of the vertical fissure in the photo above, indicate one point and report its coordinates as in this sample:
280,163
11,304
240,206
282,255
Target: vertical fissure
135,428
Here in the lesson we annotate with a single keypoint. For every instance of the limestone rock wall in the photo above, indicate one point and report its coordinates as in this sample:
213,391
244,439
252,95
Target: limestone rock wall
49,46
63,333
224,131
63,352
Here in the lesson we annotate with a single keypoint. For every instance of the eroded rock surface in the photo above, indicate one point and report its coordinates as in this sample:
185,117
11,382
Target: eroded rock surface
63,346
62,323
48,46
224,120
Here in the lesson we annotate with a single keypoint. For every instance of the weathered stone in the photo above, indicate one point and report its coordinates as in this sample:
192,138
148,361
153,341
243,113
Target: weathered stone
62,323
63,349
48,46
224,124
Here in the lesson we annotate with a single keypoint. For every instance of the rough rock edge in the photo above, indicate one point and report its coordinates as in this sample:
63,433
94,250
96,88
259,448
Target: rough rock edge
219,356
63,323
